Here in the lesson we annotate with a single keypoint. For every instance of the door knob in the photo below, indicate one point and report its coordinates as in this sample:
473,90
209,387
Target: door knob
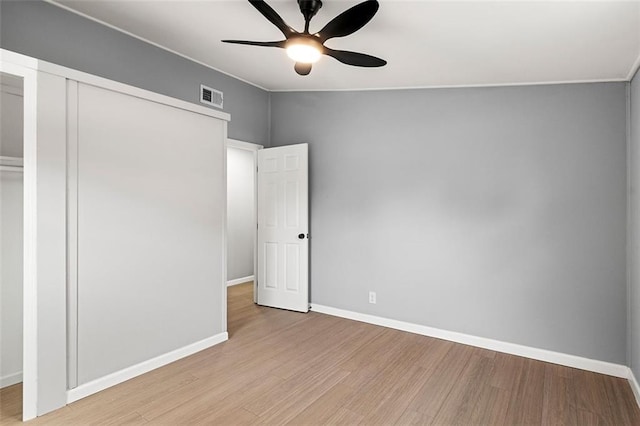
301,236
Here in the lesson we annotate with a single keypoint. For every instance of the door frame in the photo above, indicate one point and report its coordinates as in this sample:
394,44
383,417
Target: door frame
254,148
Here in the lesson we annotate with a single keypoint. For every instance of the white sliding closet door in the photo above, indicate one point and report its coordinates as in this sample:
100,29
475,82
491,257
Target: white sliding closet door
150,228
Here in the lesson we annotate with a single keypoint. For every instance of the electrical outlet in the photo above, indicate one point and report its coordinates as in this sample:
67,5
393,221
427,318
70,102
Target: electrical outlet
372,297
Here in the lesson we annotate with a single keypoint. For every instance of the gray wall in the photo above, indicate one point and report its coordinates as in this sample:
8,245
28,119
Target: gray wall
46,32
241,208
497,212
634,228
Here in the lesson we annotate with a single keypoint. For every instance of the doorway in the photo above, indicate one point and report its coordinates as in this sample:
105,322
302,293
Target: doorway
11,243
267,222
241,212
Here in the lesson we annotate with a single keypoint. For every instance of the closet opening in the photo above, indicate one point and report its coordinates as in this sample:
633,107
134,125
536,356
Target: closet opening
11,243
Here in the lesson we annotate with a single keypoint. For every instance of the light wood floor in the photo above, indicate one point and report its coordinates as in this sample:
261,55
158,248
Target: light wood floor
283,367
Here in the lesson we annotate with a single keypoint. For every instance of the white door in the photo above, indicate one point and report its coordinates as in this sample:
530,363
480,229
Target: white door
150,204
283,228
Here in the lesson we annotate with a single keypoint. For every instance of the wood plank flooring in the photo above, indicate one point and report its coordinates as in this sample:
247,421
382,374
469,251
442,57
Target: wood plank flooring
282,367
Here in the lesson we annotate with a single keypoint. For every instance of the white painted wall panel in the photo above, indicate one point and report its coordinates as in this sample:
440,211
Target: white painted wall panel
49,376
151,199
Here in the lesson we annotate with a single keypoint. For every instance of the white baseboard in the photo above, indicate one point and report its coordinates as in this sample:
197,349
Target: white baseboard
10,379
112,379
603,367
240,280
635,387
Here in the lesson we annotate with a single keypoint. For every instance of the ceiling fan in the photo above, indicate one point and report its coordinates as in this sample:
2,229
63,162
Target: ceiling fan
306,48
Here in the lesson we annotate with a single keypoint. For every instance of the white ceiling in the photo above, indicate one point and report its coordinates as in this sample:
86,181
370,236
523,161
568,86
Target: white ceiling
426,43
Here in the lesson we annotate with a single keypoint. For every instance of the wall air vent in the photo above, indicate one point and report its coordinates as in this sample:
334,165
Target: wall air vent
211,96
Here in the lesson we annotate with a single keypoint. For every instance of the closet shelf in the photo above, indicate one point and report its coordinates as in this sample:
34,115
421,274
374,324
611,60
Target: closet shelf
11,163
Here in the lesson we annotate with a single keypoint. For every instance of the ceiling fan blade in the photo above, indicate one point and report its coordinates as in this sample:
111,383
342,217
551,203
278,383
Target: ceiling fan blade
355,58
273,17
257,43
302,68
349,21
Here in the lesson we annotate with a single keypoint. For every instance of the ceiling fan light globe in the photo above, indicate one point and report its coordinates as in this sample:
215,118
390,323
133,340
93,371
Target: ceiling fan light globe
304,53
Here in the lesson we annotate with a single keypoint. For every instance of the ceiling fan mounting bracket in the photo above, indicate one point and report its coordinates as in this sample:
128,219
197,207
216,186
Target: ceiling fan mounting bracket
309,8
